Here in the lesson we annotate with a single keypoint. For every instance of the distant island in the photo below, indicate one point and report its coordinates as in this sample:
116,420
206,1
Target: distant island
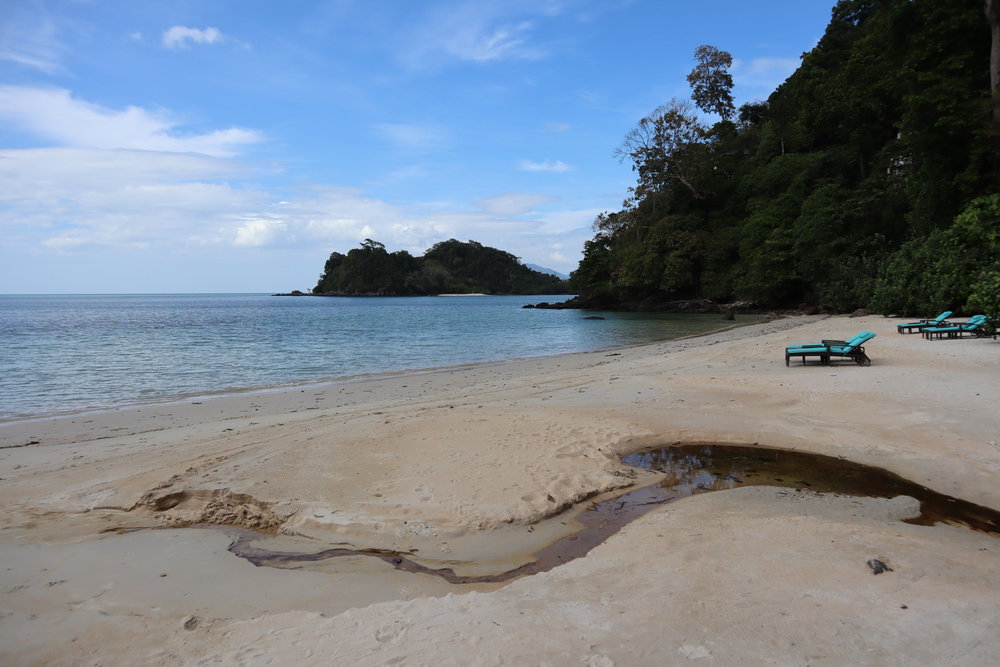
448,267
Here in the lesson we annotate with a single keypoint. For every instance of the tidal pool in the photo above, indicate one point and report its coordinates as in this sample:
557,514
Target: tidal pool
688,470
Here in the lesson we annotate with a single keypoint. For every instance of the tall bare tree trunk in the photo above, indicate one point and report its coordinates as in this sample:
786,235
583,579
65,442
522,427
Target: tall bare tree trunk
992,10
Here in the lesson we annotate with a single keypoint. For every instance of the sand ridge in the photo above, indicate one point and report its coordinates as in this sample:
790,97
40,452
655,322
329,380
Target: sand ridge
421,461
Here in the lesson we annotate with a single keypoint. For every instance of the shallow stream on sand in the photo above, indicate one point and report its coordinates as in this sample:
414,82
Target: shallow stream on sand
688,470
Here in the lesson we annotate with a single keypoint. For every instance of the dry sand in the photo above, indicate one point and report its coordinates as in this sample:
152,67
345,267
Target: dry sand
467,463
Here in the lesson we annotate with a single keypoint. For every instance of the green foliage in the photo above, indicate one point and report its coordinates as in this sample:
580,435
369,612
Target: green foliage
909,282
665,148
985,298
951,268
977,248
449,267
842,189
368,269
593,275
711,82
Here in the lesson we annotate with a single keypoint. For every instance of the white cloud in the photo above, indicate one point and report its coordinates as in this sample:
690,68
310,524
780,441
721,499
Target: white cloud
259,231
556,254
29,38
769,66
415,137
763,73
405,173
69,197
512,203
73,200
45,62
492,42
179,37
557,128
55,115
64,241
478,32
561,222
556,166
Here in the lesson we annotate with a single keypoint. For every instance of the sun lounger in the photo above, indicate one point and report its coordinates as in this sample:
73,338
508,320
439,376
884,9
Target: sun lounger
830,349
917,327
973,327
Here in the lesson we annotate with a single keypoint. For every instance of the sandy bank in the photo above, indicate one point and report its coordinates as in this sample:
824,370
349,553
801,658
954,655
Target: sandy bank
427,462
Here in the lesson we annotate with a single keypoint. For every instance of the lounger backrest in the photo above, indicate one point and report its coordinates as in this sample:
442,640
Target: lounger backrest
974,322
856,339
861,338
942,317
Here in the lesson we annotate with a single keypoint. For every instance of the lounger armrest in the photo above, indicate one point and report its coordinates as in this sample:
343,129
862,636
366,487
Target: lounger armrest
835,342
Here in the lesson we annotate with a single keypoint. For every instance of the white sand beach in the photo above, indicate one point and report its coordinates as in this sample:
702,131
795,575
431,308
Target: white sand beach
466,464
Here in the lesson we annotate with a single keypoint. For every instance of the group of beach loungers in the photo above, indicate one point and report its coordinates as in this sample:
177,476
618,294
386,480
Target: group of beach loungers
940,327
853,349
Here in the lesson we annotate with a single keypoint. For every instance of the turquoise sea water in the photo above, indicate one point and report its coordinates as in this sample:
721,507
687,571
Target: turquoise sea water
68,353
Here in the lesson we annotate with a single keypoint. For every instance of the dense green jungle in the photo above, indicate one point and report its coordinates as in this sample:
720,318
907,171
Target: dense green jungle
869,178
449,267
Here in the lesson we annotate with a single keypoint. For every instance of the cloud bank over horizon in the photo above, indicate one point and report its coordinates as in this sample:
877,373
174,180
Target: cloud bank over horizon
223,139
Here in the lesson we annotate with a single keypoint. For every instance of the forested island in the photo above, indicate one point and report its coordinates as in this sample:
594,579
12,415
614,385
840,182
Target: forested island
869,178
449,267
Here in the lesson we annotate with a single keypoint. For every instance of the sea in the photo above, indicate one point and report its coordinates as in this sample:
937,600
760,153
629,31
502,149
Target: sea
69,353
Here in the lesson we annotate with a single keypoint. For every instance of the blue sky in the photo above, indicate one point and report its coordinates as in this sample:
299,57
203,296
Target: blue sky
231,145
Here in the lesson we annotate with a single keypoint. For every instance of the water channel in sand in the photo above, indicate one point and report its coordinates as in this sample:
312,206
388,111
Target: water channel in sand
688,470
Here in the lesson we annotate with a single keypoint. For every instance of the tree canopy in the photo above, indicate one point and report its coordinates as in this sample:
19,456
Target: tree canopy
711,82
867,179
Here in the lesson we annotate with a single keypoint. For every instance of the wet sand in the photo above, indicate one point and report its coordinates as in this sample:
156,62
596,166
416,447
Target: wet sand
475,464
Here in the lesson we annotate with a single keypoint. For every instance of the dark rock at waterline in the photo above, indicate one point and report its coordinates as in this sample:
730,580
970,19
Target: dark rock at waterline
651,304
594,317
655,305
809,310
574,303
294,292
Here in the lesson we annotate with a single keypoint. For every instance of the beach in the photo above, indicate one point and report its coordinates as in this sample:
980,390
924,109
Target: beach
115,525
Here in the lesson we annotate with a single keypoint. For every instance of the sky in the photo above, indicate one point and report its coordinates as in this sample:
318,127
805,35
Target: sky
231,145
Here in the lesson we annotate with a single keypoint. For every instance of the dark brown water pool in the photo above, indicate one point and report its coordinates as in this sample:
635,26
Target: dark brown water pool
688,470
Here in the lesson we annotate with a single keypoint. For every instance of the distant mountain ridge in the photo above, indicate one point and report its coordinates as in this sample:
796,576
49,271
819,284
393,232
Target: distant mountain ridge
448,267
551,272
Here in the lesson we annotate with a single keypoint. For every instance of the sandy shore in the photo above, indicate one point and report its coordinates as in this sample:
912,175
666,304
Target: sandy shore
471,464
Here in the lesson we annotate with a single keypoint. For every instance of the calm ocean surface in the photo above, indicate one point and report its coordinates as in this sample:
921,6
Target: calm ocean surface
67,353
